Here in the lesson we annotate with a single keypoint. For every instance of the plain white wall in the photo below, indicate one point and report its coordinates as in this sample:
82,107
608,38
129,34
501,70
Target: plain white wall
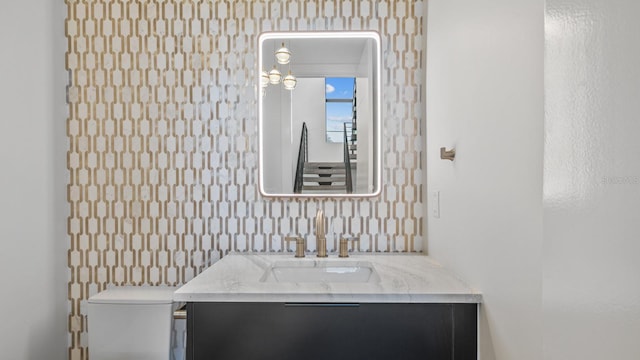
273,142
364,153
309,106
485,98
591,291
32,207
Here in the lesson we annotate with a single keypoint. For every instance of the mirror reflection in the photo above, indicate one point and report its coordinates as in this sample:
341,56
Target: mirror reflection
319,114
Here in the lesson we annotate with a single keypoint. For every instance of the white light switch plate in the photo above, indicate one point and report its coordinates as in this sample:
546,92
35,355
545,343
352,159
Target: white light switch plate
435,204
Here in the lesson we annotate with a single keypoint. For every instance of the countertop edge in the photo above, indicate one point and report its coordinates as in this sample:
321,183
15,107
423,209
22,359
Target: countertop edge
331,298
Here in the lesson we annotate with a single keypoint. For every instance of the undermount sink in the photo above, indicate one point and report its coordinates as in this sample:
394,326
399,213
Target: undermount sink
330,271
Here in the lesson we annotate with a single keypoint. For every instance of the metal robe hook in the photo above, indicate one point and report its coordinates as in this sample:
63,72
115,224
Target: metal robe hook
447,154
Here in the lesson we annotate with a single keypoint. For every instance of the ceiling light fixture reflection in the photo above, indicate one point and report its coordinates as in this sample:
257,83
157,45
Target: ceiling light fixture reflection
275,76
264,79
283,55
289,82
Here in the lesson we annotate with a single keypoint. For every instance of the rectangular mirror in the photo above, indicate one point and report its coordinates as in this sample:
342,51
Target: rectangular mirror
319,114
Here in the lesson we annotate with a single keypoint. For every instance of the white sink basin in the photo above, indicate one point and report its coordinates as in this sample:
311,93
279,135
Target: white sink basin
330,271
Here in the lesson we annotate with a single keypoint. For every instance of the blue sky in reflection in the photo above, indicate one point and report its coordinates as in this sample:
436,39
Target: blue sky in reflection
338,112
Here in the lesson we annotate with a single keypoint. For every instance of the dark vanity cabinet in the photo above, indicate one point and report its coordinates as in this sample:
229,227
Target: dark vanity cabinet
330,331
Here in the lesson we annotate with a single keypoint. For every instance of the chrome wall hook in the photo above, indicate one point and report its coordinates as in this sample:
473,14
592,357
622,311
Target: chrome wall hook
447,154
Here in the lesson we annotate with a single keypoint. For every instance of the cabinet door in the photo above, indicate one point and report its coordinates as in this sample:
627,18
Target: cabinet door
232,331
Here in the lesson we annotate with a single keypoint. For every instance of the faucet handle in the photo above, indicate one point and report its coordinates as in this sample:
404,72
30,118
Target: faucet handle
299,245
344,246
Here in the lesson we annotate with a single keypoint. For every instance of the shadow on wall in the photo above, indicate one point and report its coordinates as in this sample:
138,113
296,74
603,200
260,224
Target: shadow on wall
485,341
179,339
42,341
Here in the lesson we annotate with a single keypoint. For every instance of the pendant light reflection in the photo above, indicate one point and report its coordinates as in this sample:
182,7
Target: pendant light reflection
289,82
274,76
283,55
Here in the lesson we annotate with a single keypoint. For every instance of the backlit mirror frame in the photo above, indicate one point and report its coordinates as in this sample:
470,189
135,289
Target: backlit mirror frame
376,108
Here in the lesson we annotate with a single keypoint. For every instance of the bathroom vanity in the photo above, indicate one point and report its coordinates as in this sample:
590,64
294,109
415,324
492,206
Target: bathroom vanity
361,307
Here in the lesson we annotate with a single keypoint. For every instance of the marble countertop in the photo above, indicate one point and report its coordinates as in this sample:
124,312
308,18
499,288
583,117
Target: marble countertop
405,278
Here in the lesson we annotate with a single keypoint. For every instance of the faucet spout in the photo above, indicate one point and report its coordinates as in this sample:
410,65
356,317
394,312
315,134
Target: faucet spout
321,240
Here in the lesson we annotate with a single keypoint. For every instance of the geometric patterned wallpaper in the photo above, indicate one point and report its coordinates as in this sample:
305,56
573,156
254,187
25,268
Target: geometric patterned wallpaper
162,132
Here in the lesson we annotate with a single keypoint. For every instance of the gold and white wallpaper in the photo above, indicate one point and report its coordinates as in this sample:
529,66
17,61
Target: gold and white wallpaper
162,132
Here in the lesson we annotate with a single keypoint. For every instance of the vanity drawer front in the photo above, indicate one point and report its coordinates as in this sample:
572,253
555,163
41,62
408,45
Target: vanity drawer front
328,331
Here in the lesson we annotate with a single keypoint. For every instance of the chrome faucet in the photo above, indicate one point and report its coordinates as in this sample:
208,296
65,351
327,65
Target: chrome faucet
321,240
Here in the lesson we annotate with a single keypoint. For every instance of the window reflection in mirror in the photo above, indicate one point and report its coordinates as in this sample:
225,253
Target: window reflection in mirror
340,111
319,114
